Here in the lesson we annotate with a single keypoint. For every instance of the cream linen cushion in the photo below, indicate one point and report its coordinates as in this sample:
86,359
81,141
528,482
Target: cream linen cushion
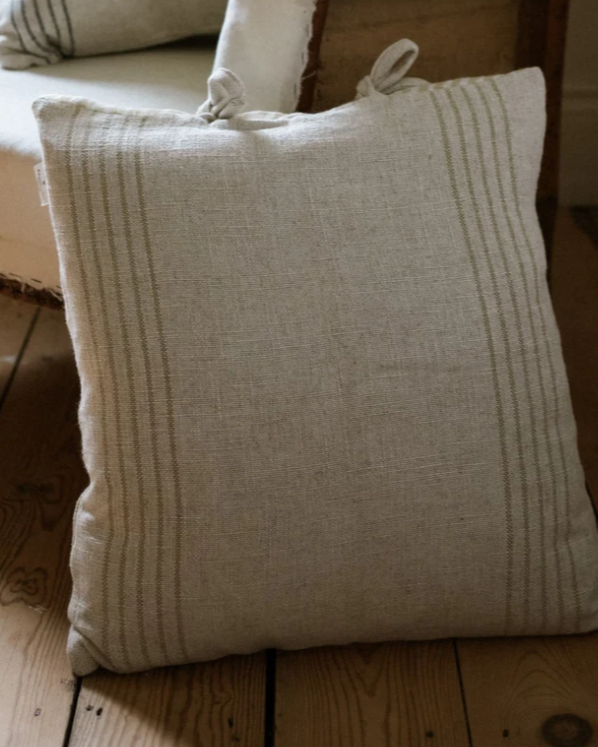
41,32
323,397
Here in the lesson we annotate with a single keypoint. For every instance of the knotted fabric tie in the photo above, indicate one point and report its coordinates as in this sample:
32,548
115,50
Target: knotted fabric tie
389,69
226,96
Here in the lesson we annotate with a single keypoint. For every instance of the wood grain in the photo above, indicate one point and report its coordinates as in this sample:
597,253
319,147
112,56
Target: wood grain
456,38
310,74
575,298
212,705
40,478
370,696
15,320
541,37
532,691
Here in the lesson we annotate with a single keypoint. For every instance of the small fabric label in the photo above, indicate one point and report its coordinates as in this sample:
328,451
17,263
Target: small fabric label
42,184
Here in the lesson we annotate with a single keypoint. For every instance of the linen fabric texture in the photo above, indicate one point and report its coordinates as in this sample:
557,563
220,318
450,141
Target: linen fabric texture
323,394
267,44
33,32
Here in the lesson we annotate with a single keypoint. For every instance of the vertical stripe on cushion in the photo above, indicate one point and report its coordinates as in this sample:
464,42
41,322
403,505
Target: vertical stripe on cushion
500,416
170,419
19,32
51,48
52,12
527,385
39,30
35,36
79,252
113,385
135,493
515,248
130,144
465,153
552,373
69,27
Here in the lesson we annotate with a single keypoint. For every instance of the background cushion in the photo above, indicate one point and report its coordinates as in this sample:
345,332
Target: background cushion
171,77
41,33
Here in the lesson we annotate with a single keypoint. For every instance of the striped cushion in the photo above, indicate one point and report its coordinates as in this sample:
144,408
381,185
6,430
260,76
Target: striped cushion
42,32
323,395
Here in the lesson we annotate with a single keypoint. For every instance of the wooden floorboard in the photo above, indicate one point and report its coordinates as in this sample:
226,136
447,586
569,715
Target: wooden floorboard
521,693
575,297
532,691
369,696
40,478
16,320
212,705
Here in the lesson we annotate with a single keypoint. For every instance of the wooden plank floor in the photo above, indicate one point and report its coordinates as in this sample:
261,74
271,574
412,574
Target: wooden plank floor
471,693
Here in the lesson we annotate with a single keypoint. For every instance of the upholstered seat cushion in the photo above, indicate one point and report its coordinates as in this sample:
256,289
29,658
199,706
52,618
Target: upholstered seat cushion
170,77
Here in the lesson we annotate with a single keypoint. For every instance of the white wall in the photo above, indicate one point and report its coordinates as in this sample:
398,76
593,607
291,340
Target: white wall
579,144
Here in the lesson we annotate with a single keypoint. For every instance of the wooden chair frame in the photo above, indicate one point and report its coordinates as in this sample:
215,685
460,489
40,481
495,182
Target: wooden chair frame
541,27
